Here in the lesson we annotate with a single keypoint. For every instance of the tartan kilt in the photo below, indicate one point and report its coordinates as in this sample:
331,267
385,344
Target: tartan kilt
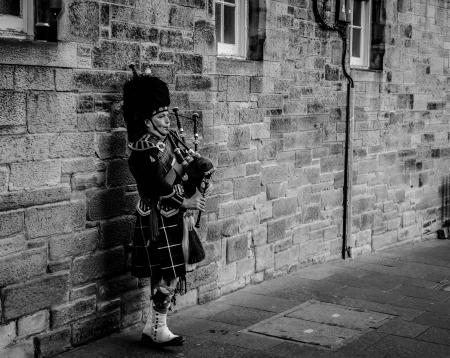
161,258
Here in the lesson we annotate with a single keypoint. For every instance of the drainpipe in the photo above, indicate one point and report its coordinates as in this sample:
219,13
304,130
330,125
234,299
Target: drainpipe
341,29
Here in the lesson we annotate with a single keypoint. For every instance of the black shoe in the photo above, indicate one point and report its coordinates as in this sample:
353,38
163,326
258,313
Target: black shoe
148,341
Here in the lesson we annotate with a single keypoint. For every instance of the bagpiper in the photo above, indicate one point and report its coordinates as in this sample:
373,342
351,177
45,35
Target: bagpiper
163,216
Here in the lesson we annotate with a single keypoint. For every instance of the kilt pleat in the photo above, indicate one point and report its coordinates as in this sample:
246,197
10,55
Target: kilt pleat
161,258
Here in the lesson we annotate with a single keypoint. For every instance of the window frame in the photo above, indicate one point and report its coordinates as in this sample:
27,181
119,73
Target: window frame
21,27
366,20
237,50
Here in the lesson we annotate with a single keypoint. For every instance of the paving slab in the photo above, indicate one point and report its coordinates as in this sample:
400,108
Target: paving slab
241,316
299,330
337,315
401,347
258,301
436,335
405,313
402,328
421,292
433,319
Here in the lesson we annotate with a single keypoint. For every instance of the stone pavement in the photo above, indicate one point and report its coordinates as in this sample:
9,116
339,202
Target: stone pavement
395,303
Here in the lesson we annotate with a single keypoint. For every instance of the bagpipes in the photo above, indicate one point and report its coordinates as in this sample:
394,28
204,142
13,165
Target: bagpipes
198,170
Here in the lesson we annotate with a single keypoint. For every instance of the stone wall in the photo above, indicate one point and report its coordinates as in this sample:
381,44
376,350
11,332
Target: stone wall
274,128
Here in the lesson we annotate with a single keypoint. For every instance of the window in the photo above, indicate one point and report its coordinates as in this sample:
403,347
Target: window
360,33
16,18
231,27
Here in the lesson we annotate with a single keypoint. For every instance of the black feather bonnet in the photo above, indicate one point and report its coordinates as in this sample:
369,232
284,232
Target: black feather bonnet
142,95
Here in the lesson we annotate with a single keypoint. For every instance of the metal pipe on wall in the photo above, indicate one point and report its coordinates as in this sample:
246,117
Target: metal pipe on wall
342,30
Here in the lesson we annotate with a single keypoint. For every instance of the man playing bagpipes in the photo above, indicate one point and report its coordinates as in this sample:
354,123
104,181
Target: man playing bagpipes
168,178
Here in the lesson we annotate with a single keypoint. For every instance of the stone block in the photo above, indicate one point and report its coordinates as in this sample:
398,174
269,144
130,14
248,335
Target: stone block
37,53
274,173
204,37
36,294
117,231
260,130
83,20
13,108
218,228
227,274
115,55
175,40
34,78
83,291
251,115
22,266
362,204
95,327
311,213
12,244
202,276
84,181
303,158
248,186
136,300
73,244
118,174
32,324
301,140
66,313
385,239
16,200
238,88
116,286
31,175
193,83
51,112
187,63
264,257
52,343
287,258
90,81
237,248
132,32
284,206
4,178
103,204
7,77
259,235
67,145
248,221
235,207
11,222
276,230
55,218
20,148
236,157
77,165
110,145
270,101
97,265
7,334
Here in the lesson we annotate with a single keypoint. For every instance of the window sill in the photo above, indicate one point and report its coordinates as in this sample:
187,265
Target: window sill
12,35
364,69
227,65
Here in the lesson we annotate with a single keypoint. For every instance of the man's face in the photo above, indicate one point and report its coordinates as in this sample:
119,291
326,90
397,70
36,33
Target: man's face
161,122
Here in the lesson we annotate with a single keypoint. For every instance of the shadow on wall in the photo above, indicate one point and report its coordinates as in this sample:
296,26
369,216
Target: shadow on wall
444,233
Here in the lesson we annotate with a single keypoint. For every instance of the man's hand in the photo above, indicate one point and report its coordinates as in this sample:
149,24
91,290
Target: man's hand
196,201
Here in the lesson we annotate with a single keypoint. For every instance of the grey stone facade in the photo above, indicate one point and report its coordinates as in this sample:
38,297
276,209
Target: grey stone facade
274,127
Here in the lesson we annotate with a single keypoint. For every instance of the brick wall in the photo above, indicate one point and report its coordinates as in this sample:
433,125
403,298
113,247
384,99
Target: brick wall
274,129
